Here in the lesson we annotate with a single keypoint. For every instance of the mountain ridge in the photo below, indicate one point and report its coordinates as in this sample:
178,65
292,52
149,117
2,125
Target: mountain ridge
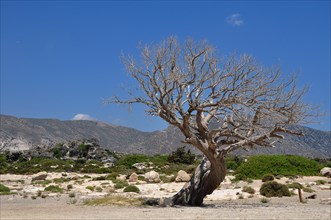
24,133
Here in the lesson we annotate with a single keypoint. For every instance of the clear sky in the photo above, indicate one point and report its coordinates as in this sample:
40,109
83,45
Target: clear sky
62,58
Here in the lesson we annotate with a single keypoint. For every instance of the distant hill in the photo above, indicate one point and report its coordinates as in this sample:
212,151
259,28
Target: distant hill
24,133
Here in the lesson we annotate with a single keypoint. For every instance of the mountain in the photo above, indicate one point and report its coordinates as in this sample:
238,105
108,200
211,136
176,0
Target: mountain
24,133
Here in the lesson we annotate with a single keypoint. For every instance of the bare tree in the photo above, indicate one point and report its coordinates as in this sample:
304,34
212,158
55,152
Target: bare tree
189,87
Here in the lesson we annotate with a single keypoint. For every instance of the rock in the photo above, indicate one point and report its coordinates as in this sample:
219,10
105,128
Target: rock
139,166
133,177
324,187
152,177
164,202
326,201
326,171
40,176
311,196
182,176
121,177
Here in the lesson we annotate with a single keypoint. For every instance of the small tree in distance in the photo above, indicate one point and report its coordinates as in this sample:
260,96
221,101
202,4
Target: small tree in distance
189,87
181,156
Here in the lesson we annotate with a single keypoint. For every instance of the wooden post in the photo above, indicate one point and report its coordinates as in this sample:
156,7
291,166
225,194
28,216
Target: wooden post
300,195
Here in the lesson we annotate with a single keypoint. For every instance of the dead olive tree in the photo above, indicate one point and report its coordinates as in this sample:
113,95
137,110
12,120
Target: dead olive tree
189,87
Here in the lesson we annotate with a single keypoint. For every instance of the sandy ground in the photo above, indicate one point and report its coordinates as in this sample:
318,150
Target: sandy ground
222,204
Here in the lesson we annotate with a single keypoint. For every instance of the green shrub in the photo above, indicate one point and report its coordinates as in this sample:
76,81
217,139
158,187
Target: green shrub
320,182
274,189
61,180
131,188
268,177
99,178
295,185
181,156
54,188
128,160
90,188
98,189
233,162
264,200
248,189
4,189
142,178
120,184
287,165
308,190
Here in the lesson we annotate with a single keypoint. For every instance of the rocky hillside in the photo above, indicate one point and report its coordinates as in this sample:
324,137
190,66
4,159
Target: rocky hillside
24,133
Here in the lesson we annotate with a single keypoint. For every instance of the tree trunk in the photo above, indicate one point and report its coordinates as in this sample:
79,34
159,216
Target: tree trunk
206,178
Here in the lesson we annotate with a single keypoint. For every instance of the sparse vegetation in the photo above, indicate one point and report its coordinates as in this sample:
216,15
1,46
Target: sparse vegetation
308,190
264,200
116,201
320,182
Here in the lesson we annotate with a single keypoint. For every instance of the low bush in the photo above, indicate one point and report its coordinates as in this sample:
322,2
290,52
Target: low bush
54,188
91,188
274,189
248,189
295,185
268,177
4,189
308,190
320,182
120,184
131,188
264,200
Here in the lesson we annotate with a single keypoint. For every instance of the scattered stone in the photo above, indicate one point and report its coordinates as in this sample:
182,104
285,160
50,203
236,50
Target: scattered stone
139,166
40,176
326,171
152,201
182,176
324,187
311,196
133,177
164,202
152,177
121,177
326,201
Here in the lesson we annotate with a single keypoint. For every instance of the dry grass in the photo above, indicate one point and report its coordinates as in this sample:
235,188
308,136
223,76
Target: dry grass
115,200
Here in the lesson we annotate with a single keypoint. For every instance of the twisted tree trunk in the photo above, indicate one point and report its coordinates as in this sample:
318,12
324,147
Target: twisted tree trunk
206,178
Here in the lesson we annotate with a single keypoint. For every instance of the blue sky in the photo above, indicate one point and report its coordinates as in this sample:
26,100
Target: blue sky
62,58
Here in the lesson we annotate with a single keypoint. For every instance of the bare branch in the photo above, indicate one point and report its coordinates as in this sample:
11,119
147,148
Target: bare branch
191,88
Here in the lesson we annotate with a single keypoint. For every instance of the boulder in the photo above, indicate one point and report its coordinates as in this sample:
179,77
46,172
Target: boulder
133,177
152,177
326,171
40,176
121,177
182,176
139,166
